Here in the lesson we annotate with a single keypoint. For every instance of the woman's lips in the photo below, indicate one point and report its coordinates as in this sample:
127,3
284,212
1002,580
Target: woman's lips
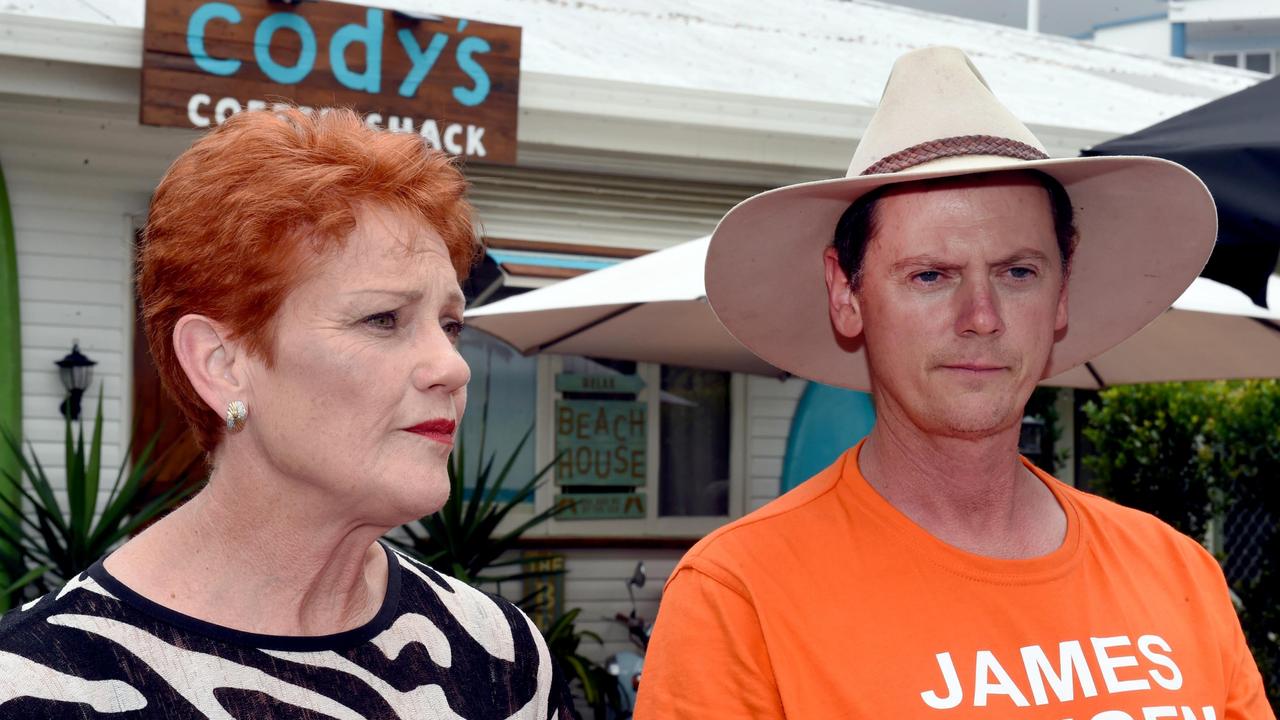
439,430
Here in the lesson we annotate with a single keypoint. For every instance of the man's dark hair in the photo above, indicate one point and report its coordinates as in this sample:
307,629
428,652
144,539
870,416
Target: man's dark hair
858,224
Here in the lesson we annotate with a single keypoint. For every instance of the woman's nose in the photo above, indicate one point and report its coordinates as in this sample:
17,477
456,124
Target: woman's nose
441,366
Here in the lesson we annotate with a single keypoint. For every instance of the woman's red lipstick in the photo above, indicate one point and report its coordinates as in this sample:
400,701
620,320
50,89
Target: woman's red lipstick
439,430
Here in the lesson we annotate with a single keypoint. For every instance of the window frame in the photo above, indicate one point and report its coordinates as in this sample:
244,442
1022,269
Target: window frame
651,525
1241,58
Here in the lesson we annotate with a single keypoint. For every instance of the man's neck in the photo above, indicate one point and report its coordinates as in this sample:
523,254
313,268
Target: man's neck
971,493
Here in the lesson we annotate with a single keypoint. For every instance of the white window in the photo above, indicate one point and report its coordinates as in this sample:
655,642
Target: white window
501,402
695,430
1228,59
690,469
1258,61
1263,61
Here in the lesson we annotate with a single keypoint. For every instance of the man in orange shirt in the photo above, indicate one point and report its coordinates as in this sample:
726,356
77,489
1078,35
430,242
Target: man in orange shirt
931,571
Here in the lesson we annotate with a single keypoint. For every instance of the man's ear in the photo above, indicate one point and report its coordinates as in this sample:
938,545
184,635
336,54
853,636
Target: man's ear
214,364
842,301
1060,320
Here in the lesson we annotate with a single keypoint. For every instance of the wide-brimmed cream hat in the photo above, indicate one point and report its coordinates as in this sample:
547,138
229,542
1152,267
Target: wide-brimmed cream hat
1146,226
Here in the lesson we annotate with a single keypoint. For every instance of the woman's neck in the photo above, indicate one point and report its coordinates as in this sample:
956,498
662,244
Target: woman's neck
261,555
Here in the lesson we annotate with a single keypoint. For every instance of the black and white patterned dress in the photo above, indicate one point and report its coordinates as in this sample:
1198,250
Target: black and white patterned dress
436,649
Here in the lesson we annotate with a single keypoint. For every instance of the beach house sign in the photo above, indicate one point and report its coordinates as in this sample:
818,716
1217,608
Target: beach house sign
454,82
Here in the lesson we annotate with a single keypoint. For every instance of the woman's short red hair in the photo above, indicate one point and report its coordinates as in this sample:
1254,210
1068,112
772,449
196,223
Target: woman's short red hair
231,216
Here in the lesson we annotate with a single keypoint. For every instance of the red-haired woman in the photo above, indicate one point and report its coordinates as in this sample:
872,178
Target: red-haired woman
299,283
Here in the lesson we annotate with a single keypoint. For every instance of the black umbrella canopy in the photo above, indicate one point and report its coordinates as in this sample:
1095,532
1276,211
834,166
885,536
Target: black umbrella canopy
1233,144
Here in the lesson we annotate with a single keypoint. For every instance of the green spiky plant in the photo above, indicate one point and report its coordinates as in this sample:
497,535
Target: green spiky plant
462,538
10,352
599,688
47,546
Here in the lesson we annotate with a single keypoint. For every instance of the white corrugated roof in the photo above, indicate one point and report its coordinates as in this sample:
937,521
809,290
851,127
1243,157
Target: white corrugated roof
829,50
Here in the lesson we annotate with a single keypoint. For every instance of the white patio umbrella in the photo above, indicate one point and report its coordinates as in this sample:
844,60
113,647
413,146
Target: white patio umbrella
654,309
1212,332
650,309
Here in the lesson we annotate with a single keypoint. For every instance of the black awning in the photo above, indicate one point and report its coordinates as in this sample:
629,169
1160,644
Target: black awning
1233,144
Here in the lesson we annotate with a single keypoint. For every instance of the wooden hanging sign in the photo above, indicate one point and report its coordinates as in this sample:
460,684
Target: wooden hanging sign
453,81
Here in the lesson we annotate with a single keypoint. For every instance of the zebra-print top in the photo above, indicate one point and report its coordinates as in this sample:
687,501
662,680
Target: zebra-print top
436,649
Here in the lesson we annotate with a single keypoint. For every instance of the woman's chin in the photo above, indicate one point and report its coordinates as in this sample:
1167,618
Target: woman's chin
405,505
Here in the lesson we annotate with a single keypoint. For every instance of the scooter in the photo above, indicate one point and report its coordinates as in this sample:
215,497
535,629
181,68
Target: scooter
626,665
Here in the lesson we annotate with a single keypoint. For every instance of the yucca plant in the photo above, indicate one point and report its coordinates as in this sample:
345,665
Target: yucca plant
462,538
46,546
599,688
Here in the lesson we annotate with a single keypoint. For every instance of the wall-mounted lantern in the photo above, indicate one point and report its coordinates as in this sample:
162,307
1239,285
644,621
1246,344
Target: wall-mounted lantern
77,372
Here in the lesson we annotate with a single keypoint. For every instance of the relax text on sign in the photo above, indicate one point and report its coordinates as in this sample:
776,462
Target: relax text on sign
600,442
454,82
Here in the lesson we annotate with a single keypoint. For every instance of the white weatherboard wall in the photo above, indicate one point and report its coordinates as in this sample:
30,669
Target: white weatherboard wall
771,403
596,582
1222,10
74,212
1151,37
559,206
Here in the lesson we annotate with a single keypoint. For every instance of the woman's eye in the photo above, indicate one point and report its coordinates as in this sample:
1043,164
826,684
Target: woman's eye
453,328
928,276
382,321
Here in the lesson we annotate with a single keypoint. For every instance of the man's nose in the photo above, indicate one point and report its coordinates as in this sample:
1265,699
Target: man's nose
978,308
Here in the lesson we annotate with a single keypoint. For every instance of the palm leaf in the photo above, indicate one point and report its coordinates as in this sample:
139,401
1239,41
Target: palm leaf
26,580
122,498
39,480
50,544
463,539
94,468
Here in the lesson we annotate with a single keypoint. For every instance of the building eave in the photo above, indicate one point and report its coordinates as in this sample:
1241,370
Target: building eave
566,121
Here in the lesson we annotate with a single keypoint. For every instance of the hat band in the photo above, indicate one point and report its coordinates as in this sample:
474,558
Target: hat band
951,147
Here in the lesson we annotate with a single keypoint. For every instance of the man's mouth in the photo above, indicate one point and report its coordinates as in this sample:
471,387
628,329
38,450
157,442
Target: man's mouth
976,369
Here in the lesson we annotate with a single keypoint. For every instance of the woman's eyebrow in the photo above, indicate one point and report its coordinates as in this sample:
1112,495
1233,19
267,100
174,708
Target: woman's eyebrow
407,295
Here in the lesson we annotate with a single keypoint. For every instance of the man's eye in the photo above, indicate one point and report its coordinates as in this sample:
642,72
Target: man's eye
382,321
1022,273
928,276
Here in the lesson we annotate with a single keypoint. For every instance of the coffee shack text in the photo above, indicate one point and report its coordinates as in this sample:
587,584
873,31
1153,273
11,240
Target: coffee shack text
452,81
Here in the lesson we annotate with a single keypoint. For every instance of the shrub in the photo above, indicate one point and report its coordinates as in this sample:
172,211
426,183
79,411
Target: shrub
1192,453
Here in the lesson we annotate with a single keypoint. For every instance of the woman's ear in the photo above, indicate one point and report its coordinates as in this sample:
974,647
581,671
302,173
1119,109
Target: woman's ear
842,300
214,364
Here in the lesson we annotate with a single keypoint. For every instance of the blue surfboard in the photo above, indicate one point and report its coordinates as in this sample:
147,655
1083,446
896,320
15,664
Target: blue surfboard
828,421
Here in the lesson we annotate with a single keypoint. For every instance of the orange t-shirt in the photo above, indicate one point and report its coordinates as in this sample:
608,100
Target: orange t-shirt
829,603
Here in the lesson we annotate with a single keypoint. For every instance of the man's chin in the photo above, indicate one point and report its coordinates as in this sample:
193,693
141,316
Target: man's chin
976,418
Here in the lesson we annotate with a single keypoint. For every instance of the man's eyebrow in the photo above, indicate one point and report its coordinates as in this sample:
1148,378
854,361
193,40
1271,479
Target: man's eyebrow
933,261
915,261
1023,255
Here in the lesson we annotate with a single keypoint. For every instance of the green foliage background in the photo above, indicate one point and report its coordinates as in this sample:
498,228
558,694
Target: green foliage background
1192,452
44,546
